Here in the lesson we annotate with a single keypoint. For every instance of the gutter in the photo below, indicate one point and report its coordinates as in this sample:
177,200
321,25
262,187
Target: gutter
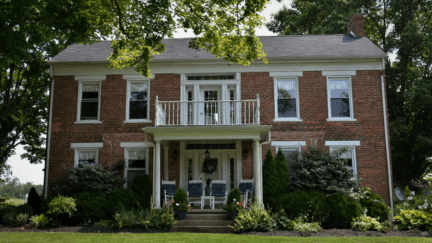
269,140
386,140
49,133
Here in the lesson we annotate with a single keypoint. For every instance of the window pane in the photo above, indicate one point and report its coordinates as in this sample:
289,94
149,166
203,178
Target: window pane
90,95
287,108
288,156
89,110
86,157
138,110
286,89
189,170
131,175
232,173
138,96
340,107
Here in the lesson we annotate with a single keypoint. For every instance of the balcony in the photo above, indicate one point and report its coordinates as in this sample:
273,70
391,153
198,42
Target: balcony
208,112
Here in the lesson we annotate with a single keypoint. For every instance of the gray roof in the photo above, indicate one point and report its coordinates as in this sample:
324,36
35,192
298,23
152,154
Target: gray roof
277,47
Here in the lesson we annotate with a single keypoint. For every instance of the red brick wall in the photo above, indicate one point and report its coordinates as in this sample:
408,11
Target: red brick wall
315,130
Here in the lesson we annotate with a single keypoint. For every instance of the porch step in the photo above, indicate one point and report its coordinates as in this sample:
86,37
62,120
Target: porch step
206,211
205,222
204,216
202,229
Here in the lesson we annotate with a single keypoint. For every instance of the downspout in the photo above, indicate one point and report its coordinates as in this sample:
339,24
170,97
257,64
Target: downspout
154,159
49,132
386,140
261,187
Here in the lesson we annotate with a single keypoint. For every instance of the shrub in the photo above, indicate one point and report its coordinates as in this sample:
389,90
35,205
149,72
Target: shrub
341,210
300,224
180,198
143,186
256,219
21,219
365,222
161,219
39,221
125,218
321,171
234,200
414,220
126,197
7,209
87,179
282,220
93,206
34,200
375,206
9,218
25,208
305,202
61,205
282,172
104,223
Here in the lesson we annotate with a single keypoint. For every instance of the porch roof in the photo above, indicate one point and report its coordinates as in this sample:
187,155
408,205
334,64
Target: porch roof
208,132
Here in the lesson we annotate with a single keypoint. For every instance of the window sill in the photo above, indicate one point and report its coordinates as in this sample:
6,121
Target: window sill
341,119
88,122
287,120
137,121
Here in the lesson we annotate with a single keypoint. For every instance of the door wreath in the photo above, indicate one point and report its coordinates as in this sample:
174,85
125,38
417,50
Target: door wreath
209,166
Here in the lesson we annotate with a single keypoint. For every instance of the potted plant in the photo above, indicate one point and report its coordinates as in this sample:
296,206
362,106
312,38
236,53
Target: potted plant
180,204
233,203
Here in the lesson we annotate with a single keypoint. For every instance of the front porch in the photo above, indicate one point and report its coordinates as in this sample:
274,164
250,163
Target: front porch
226,146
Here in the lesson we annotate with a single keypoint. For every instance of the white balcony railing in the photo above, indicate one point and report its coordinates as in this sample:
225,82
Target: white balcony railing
218,112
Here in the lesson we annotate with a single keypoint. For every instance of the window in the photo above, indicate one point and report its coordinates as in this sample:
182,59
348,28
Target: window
88,101
289,148
136,164
349,156
137,101
340,104
287,99
86,153
190,170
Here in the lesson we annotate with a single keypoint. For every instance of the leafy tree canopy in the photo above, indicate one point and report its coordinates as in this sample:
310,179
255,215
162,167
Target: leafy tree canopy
397,26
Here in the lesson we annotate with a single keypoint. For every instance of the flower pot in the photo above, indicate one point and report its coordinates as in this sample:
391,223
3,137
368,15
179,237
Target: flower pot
232,214
181,215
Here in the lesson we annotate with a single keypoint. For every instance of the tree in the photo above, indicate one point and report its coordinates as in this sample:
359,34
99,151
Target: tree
282,171
34,33
270,193
397,26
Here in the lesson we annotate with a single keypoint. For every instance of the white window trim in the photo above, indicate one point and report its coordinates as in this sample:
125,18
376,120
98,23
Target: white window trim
134,146
85,147
80,84
287,119
342,143
351,118
129,81
288,143
353,152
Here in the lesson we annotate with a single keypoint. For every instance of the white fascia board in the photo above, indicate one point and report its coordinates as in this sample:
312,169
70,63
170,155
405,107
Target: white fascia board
90,77
286,74
86,145
342,143
137,77
288,143
339,73
134,145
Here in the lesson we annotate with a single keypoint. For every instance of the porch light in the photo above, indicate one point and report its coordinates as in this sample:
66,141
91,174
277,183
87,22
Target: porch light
174,154
245,153
207,154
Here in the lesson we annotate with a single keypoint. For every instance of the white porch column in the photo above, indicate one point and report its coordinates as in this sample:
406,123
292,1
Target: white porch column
157,179
166,163
257,169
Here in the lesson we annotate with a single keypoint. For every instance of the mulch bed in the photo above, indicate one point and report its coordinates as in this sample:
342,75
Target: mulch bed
321,233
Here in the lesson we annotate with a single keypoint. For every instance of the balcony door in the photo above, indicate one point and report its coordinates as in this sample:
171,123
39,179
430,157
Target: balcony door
209,111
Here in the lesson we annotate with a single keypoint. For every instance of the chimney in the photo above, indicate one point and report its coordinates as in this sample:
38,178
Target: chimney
356,25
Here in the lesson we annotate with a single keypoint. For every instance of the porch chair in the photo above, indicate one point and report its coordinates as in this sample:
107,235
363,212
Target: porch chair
246,189
195,191
169,188
218,190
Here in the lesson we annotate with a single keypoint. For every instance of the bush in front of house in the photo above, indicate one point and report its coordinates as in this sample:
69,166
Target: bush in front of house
143,187
322,171
376,207
256,219
8,213
126,197
60,206
34,200
90,206
39,221
342,210
181,201
87,179
234,200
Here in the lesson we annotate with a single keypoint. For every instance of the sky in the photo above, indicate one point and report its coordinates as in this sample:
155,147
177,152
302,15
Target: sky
33,173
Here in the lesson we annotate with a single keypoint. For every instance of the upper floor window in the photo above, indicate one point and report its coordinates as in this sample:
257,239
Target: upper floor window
287,99
137,101
340,104
89,101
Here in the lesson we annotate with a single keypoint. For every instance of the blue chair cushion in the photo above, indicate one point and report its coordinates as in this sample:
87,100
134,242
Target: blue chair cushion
170,189
195,189
218,190
245,186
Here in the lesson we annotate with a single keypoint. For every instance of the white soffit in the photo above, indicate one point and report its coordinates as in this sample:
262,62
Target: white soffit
288,143
286,74
86,145
342,143
339,73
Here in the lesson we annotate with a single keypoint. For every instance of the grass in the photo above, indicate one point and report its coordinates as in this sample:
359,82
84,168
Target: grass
14,202
186,237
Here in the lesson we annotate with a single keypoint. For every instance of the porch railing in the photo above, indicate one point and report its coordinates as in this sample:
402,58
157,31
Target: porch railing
217,112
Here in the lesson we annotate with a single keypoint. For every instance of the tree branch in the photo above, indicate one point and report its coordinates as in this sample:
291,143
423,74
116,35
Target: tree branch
120,18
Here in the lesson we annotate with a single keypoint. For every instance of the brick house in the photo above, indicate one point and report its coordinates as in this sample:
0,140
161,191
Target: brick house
323,90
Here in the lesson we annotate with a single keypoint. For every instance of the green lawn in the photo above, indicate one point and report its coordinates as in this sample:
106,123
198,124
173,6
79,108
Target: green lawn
184,237
14,201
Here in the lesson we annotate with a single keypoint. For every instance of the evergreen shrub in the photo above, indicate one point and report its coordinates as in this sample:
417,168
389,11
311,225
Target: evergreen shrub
93,206
124,196
180,198
342,210
34,200
143,187
376,207
322,171
234,200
